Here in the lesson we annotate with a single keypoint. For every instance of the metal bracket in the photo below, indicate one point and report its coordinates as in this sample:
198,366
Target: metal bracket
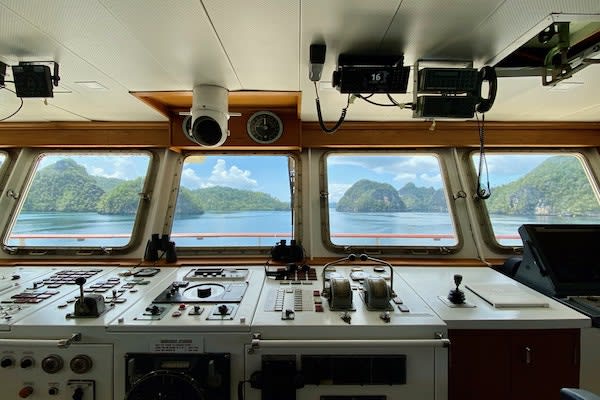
64,343
12,194
255,344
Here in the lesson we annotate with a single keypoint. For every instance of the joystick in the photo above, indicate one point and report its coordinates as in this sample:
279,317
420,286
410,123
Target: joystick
87,306
457,296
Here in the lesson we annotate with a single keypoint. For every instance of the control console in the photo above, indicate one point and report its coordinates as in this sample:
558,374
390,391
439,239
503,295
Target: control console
198,298
351,329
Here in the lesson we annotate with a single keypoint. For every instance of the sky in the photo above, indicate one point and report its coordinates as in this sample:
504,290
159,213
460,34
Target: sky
270,173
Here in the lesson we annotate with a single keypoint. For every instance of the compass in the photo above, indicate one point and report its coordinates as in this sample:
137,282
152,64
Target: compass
264,127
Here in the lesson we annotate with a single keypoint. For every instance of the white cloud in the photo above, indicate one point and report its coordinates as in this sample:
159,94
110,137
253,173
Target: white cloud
221,175
432,180
337,190
98,171
190,180
405,177
232,177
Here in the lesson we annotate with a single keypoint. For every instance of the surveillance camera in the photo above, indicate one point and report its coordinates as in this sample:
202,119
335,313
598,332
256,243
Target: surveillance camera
207,124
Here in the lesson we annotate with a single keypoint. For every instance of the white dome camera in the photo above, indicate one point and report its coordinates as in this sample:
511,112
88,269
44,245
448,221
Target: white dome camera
207,124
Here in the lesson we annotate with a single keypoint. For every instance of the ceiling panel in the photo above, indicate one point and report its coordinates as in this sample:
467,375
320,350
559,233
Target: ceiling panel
262,42
263,45
177,36
428,29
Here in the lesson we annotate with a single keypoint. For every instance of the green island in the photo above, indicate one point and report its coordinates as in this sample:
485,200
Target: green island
66,186
556,187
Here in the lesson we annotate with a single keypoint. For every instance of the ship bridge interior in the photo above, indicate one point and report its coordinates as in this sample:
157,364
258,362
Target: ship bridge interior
299,199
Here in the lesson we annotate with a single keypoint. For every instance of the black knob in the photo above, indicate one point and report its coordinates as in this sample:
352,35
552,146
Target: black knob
457,280
80,364
7,362
53,391
154,310
52,364
27,362
223,309
204,292
80,281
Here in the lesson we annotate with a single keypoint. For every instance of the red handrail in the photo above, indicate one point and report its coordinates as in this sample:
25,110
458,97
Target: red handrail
198,235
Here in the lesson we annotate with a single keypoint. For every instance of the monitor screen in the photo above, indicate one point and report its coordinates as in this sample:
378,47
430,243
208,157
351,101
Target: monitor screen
567,253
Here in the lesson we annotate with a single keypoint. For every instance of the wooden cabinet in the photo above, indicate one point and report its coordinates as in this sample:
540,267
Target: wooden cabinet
512,364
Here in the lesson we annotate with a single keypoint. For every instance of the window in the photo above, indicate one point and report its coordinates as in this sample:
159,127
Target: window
387,199
3,165
81,200
537,188
234,201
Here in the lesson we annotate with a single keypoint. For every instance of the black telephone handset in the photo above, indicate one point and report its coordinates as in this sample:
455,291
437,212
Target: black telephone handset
487,74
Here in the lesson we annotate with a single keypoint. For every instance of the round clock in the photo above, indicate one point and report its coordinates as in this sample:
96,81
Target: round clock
264,127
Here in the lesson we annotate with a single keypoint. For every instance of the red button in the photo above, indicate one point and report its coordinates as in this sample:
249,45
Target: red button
318,308
25,392
182,306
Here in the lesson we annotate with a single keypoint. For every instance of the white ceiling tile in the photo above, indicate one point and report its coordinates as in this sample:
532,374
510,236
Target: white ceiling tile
262,42
145,45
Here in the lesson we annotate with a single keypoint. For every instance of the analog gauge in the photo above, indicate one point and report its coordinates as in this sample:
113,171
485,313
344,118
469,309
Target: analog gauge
264,127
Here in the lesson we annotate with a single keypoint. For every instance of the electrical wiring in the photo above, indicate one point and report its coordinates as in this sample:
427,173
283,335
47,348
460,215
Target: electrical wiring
18,109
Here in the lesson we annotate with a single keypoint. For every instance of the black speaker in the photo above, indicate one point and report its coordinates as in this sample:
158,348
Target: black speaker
32,80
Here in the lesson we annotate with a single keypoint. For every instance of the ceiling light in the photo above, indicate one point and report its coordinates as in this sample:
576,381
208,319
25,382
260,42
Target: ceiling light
92,85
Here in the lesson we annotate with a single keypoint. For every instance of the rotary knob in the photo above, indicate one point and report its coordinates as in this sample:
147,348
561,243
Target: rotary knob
26,362
52,364
223,309
80,364
7,362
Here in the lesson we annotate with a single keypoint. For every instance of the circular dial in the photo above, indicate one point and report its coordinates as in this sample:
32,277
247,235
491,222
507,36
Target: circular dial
264,127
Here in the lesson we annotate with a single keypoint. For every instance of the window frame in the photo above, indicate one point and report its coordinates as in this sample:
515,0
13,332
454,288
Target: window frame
261,251
86,251
487,230
453,213
5,167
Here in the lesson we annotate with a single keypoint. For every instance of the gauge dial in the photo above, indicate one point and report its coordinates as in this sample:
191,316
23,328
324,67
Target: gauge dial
264,127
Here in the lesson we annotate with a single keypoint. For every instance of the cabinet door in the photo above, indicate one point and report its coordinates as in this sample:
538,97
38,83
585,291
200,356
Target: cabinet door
543,362
479,365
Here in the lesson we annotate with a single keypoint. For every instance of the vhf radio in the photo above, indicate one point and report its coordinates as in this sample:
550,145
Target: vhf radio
370,74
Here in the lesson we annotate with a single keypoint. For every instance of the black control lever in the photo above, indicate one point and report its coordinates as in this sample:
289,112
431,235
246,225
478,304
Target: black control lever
350,258
457,296
87,306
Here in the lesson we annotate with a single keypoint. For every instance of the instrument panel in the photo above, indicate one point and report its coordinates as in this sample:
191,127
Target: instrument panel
213,330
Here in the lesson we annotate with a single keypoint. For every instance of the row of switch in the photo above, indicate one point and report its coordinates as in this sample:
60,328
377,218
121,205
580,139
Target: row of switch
80,364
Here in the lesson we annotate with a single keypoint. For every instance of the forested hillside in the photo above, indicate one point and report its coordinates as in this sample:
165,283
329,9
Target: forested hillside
423,199
369,196
66,186
63,186
556,187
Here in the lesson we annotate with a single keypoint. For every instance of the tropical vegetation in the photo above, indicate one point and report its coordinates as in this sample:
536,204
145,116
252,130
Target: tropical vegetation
66,186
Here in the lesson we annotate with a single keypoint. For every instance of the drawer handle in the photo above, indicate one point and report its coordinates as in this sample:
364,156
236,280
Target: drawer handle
527,355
